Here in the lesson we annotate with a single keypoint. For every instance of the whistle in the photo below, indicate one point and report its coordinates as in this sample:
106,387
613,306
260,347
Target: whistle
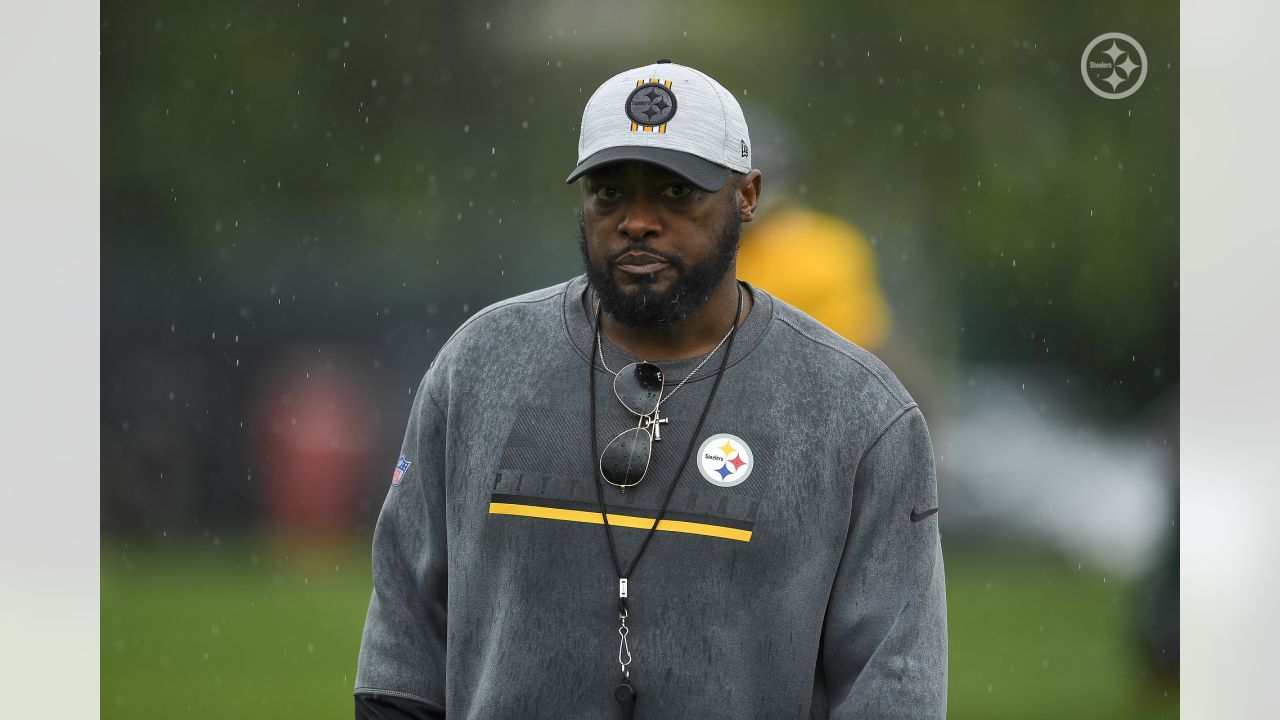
626,697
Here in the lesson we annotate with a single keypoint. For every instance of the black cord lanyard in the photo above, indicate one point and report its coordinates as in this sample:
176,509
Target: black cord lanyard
624,693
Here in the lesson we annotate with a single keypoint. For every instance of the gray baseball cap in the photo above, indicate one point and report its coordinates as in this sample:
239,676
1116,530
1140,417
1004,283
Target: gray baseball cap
670,115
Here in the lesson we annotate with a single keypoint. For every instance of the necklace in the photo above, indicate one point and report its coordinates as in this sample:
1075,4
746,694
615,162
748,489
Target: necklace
595,309
624,693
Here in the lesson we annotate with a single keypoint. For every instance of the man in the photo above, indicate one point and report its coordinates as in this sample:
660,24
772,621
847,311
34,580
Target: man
768,544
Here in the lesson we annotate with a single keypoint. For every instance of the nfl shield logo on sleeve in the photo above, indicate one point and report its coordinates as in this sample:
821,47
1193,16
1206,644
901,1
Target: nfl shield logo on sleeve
402,467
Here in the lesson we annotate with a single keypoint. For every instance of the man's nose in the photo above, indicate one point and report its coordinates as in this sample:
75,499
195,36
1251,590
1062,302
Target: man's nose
640,222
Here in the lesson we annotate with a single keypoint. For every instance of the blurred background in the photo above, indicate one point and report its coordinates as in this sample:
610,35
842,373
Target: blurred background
301,201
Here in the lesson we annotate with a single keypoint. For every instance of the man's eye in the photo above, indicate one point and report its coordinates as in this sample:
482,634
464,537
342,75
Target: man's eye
677,191
606,193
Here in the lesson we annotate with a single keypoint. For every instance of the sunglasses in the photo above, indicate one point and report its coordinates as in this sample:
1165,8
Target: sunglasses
625,459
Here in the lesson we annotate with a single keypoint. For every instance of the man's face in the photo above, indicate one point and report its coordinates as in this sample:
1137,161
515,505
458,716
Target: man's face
654,246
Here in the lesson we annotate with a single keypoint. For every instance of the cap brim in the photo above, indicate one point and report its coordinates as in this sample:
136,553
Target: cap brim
699,171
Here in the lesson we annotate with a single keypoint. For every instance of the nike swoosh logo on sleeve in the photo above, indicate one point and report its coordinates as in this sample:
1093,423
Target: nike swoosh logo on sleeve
918,516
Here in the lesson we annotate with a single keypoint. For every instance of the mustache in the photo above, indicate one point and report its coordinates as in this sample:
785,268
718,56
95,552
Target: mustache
669,259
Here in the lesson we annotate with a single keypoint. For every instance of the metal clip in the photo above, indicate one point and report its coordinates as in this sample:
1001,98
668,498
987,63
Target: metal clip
624,649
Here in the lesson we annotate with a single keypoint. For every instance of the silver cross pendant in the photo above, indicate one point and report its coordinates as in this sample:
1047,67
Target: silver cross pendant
654,422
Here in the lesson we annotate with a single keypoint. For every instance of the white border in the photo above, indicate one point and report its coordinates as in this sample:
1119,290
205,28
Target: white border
1230,398
49,284
49,349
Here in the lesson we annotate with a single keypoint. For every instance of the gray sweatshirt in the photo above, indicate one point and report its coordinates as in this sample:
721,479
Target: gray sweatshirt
797,572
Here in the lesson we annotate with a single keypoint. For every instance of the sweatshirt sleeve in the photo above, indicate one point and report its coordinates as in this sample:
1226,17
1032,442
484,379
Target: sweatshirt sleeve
390,707
885,633
402,650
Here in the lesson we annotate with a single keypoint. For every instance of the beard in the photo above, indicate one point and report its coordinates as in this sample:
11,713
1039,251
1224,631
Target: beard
644,307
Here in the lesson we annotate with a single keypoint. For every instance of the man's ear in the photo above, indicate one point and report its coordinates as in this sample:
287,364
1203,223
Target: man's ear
748,195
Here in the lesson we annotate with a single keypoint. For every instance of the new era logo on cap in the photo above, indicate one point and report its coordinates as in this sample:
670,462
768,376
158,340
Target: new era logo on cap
670,115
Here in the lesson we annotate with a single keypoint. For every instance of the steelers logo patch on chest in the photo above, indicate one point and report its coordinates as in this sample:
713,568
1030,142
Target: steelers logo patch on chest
651,104
725,460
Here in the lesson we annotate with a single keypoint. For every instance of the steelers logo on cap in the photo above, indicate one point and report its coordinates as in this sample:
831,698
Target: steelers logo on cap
651,104
725,460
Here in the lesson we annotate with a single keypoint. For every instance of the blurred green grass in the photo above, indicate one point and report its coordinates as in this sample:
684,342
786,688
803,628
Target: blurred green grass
262,627
1033,636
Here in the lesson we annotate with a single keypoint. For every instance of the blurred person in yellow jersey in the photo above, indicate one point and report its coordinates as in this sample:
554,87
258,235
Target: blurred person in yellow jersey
822,265
818,262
